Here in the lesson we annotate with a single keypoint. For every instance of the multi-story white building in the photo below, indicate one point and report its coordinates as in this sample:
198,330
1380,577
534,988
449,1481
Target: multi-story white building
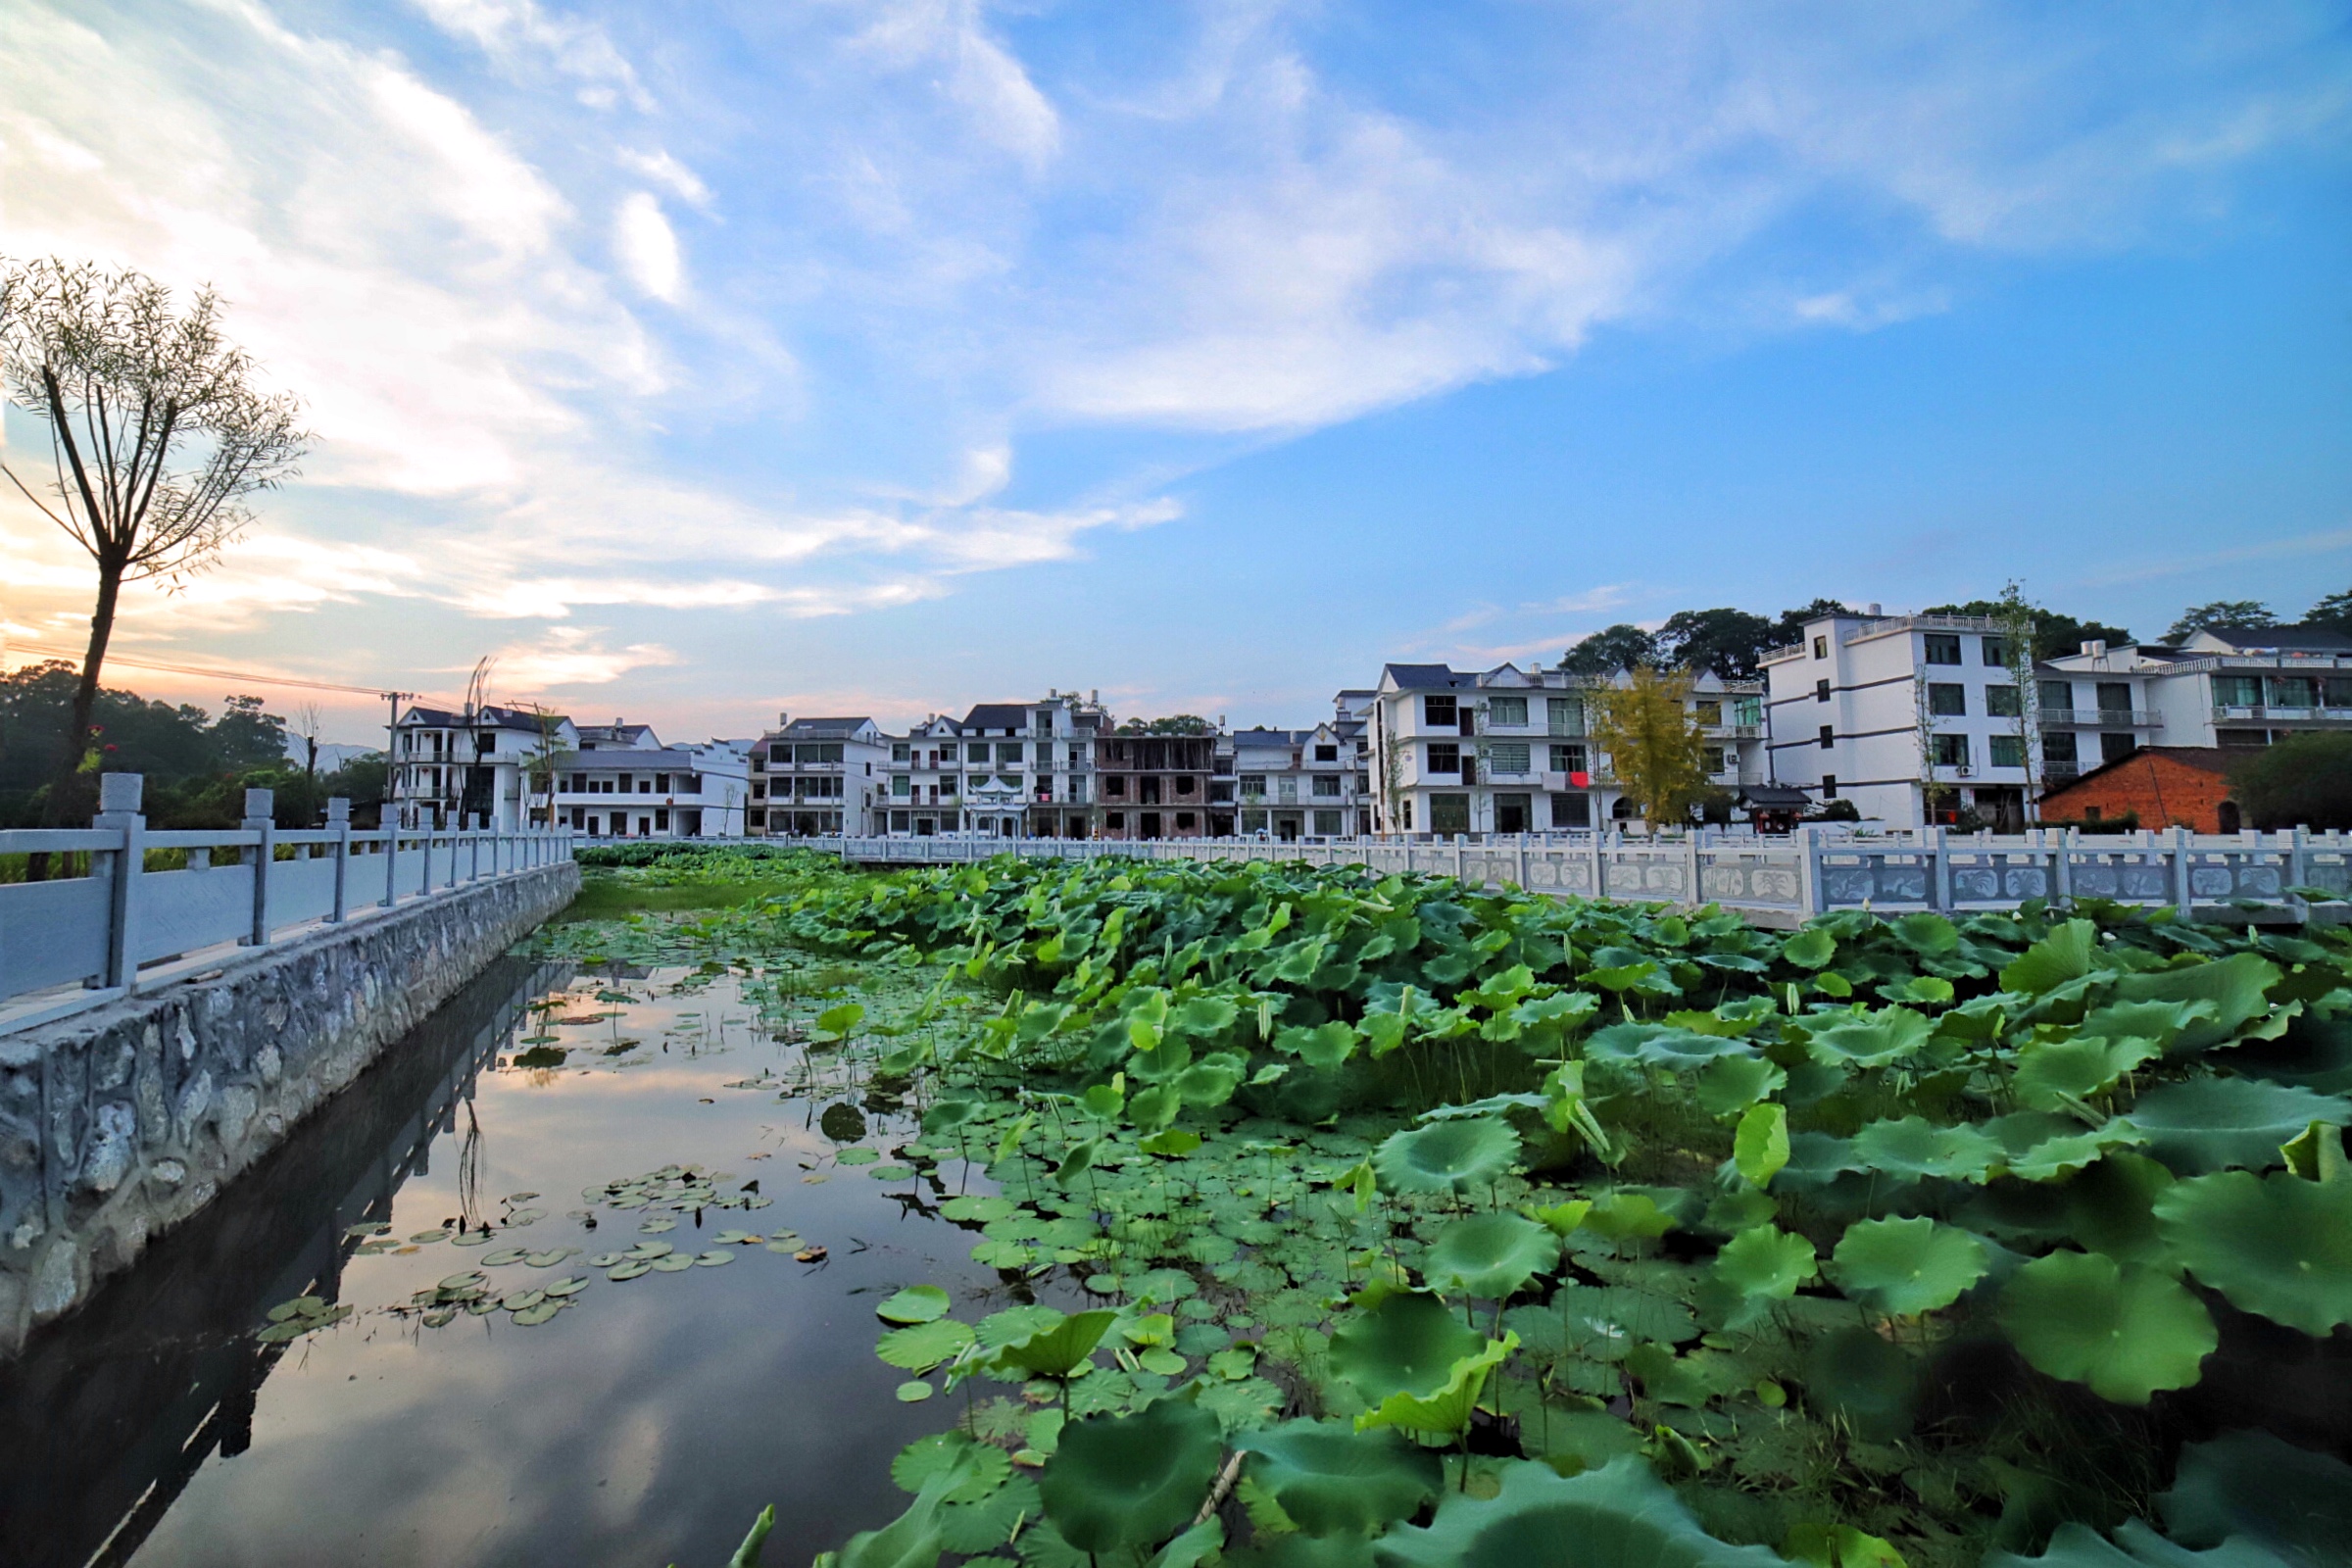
1289,783
621,783
1004,770
482,766
813,777
1508,751
2217,689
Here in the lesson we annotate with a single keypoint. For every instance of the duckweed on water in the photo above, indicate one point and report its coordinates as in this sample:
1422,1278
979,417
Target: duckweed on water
1661,1238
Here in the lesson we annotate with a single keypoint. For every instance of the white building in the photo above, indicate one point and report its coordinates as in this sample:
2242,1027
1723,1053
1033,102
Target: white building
483,766
1003,771
1508,751
1290,783
813,777
622,782
2219,689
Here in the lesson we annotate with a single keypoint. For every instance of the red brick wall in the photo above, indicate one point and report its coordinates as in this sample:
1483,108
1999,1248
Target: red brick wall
2164,791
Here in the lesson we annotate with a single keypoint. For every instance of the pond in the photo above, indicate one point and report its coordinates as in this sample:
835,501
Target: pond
643,1419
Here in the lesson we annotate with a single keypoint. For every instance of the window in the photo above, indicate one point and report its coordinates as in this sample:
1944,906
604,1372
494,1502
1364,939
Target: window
1513,813
2115,746
1821,690
1572,810
661,820
1253,784
1326,754
1221,789
2237,691
1947,701
1942,648
2337,691
1185,821
1829,737
2294,691
1327,785
1996,653
660,783
1715,763
1508,757
1115,786
579,783
1709,712
977,752
2058,746
2057,697
1438,712
2007,751
754,816
759,788
820,752
1506,710
1445,756
1008,753
1450,813
1409,814
1114,820
624,783
2115,696
1184,784
1829,786
1567,715
1567,758
902,751
1821,647
1948,751
645,785
1326,824
2002,701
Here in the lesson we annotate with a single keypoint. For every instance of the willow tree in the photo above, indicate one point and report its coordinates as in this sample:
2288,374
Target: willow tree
158,435
1656,746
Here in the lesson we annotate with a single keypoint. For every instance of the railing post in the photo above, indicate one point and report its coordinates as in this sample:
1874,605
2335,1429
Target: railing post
391,827
1691,862
1939,866
2062,863
338,822
1808,844
2298,849
2179,852
259,819
118,800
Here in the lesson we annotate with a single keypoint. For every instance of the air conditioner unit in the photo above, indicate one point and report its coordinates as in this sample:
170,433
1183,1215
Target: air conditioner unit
1963,770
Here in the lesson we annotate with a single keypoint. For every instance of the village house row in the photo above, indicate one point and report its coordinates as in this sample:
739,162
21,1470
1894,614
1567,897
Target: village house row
1914,719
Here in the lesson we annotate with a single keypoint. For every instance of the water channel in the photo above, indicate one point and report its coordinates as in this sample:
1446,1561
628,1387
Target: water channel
645,1423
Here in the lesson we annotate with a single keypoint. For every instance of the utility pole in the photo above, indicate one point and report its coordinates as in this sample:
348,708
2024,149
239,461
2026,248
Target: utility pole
391,805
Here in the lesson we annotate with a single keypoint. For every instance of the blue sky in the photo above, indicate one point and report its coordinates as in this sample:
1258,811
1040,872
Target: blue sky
704,360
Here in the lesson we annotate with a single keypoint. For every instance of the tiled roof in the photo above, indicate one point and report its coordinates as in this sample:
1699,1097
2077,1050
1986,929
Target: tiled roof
998,716
824,728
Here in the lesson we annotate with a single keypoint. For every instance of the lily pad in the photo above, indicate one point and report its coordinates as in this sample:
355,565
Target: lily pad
1331,1479
1618,1515
678,1263
2279,1245
1872,1040
1490,1255
2127,1330
1902,1268
630,1269
917,1303
914,1392
978,1468
1407,1344
1119,1481
1057,1350
2210,1124
1446,1156
859,1156
717,1257
533,1316
925,1346
505,1255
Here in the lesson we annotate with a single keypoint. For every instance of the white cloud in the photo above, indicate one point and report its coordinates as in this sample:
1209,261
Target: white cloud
519,35
971,65
648,248
564,656
666,171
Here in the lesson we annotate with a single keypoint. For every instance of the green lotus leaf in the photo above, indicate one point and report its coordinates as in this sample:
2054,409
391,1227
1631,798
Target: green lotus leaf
2064,955
2038,1147
2127,1330
1865,1382
1490,1255
1297,1550
2110,1209
925,1346
1627,1216
2160,1021
1915,1147
2316,1052
2135,1546
2278,1244
1902,1268
2252,1487
974,1469
1655,1045
835,1023
1734,1083
2236,987
1618,1516
1207,1017
2050,1073
1606,1321
1809,949
1869,1040
985,1525
1211,1080
1766,1263
1120,1482
1058,1351
911,1540
1930,935
2210,1124
1760,1146
1329,1478
1407,1344
1449,1407
1446,1156
1173,1143
917,1303
1931,990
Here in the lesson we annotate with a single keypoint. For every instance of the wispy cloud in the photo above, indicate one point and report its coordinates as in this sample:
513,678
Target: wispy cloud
2326,543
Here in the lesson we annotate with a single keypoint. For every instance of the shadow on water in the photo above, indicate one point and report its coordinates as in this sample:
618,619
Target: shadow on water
108,1414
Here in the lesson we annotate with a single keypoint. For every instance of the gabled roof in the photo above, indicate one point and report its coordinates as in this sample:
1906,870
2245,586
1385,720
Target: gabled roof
998,716
825,729
2299,639
1422,677
489,717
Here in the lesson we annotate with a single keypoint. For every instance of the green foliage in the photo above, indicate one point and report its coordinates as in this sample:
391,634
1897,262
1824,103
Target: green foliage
1905,1266
1446,1156
2303,781
1608,1518
1119,1481
1329,1478
2124,1329
2278,1244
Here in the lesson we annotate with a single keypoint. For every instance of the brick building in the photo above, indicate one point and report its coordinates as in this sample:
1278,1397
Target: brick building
2164,786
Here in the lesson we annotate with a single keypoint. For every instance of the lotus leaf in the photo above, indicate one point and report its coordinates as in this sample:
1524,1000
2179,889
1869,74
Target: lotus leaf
1119,1481
2041,1147
1015,1324
917,1303
1446,1156
1760,1146
911,1540
2135,1546
2210,1124
925,1346
2064,955
1407,1344
1490,1255
1614,1517
2160,1021
976,1468
1810,950
1914,1146
1331,1479
1734,1083
1655,1044
1449,1407
2234,987
2127,1330
2251,1485
983,1525
1766,1263
2278,1244
2051,1073
1864,1381
1868,1040
1605,1321
1058,1350
1906,1267
1622,1216
1211,1080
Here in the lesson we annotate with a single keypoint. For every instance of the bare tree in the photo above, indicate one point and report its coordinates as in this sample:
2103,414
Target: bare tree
157,434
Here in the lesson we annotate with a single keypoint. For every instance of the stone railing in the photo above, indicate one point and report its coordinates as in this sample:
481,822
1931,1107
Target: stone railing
72,942
1781,879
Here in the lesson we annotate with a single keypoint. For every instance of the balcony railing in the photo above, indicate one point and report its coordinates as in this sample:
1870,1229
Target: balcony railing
2103,717
2288,715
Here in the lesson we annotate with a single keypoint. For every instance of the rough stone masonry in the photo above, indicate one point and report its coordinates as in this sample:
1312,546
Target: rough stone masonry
119,1122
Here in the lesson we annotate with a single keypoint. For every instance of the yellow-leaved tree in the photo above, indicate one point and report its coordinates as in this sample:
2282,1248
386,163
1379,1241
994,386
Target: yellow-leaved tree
1655,746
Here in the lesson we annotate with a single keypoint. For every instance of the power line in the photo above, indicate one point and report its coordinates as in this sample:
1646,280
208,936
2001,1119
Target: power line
221,674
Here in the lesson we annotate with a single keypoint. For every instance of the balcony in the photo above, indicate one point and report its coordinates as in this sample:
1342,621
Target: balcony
2100,718
2282,715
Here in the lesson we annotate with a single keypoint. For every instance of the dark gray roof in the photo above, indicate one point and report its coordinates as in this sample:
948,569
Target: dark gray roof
623,760
490,715
998,716
1774,794
1425,675
803,729
2299,639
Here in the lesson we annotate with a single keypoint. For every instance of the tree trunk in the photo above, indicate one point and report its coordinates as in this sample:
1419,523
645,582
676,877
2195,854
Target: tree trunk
65,790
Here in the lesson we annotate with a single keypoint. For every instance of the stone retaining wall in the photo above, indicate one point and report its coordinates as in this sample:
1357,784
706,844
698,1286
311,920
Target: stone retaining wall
119,1122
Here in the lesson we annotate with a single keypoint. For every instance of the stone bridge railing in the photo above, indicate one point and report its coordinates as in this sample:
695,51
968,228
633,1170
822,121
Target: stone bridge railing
1784,880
